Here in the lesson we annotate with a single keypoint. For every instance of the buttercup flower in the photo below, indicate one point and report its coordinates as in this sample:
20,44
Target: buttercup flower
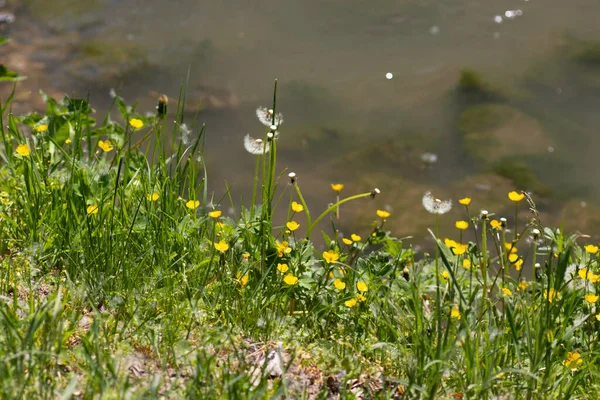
573,360
436,206
591,298
455,313
93,209
337,187
243,279
355,238
222,246
330,256
450,243
496,224
462,225
283,268
339,284
510,247
347,242
136,123
192,204
465,201
215,214
106,146
361,286
360,297
283,248
23,150
290,279
445,275
584,273
350,303
590,248
523,285
551,295
292,225
68,141
41,128
246,256
507,291
516,197
383,214
152,196
297,207
459,249
466,264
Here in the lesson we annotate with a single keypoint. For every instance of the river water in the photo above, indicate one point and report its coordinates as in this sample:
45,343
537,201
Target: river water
344,119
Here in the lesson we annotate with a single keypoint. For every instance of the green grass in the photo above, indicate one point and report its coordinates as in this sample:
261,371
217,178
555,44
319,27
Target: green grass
116,281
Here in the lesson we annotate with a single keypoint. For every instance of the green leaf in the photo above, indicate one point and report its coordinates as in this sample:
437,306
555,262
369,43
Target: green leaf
8,75
4,40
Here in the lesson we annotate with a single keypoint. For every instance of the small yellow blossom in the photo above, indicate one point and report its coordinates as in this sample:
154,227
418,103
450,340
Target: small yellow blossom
523,285
136,123
339,285
455,313
215,214
93,209
462,225
573,360
519,264
330,256
551,295
507,291
584,273
465,201
41,128
445,275
350,303
290,279
591,298
106,146
283,248
496,224
337,187
510,247
222,246
466,264
23,150
246,256
283,268
347,242
460,249
598,317
355,238
361,286
292,225
68,141
516,197
297,207
590,248
594,278
360,297
512,257
450,243
192,204
152,196
383,214
243,279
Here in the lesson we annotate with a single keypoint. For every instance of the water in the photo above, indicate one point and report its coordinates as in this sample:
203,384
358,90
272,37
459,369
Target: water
344,119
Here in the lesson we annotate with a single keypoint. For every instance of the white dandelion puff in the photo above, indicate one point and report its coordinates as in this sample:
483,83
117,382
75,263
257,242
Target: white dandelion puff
265,116
185,134
436,206
112,93
255,146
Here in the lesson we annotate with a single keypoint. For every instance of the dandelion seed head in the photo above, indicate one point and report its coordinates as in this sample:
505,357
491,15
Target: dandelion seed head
265,116
436,206
256,146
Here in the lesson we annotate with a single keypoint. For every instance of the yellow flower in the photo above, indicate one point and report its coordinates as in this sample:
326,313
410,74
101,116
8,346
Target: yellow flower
283,248
350,303
590,248
462,225
445,275
361,286
41,128
506,291
519,264
93,209
68,141
23,150
283,268
331,256
598,317
152,196
246,255
347,242
243,279
215,214
355,238
136,123
573,360
460,249
523,285
222,246
192,204
297,207
360,297
339,285
106,146
496,224
383,214
292,225
455,313
337,187
220,225
290,279
594,278
584,273
551,295
465,202
516,197
512,257
450,243
510,247
466,264
591,298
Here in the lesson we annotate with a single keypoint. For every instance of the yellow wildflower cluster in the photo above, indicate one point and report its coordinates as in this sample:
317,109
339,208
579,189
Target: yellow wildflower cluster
283,248
330,256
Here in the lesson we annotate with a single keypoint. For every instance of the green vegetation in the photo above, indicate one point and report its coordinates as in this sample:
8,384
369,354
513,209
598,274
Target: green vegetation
122,277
